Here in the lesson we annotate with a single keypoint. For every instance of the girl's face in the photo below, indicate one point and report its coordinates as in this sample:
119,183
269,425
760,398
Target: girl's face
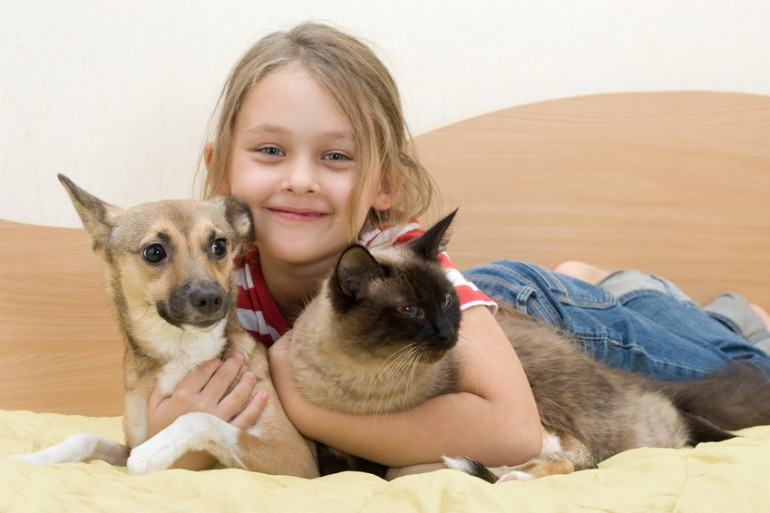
293,162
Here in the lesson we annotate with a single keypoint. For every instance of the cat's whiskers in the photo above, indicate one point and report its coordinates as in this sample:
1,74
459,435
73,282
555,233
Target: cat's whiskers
381,376
416,355
393,370
415,365
388,373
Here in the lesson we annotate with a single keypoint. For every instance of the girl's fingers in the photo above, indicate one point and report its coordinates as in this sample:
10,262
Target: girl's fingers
222,378
196,380
236,399
249,415
188,390
206,389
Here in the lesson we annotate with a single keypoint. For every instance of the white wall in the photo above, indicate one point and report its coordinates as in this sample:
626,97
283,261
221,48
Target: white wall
117,94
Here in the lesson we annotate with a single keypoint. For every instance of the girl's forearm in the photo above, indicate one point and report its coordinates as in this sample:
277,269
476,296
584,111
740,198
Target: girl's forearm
494,422
460,424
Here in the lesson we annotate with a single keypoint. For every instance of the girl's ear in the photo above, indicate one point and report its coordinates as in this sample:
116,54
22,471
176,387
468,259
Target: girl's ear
208,155
386,196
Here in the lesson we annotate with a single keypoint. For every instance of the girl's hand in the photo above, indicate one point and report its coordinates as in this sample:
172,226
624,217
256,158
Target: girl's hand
204,390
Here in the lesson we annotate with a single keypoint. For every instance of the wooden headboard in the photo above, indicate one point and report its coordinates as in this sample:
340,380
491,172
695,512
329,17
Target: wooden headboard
674,183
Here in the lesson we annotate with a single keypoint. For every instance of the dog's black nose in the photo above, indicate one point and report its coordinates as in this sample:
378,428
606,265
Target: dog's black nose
207,300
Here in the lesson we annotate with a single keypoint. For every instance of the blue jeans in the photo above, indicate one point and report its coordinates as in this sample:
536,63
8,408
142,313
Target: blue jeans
655,331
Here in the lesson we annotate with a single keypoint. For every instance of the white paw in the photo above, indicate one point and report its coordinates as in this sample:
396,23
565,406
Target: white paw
153,455
162,450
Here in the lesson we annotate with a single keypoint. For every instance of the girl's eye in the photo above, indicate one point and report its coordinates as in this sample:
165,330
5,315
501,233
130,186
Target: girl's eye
336,156
219,248
154,253
446,302
272,151
409,311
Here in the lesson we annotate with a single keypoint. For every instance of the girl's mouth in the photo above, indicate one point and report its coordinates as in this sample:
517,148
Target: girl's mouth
295,214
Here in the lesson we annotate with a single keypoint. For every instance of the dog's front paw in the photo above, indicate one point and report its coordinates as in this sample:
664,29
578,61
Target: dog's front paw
157,453
162,450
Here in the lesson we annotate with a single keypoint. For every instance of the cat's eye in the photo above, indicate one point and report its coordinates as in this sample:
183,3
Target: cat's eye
219,248
154,253
447,302
409,311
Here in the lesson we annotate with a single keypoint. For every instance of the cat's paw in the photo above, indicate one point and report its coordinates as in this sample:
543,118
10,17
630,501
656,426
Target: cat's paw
516,475
534,469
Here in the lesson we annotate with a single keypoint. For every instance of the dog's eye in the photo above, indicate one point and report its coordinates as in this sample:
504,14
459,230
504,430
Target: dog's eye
154,253
219,248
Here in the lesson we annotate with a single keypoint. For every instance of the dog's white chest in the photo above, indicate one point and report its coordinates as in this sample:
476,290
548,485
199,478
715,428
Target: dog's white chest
184,351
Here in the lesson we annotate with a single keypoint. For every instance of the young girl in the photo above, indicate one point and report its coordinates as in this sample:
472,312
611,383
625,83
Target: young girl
311,136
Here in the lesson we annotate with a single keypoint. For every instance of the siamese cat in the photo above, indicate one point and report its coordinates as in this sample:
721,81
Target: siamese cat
381,336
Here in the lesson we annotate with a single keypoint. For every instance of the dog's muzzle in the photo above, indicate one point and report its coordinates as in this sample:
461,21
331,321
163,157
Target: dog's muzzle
195,304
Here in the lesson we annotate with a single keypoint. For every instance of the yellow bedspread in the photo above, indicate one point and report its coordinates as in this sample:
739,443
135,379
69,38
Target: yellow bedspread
731,476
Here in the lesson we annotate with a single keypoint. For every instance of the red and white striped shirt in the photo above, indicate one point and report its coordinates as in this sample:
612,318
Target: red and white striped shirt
259,315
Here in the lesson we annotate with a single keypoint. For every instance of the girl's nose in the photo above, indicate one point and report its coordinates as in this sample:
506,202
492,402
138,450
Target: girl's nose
300,177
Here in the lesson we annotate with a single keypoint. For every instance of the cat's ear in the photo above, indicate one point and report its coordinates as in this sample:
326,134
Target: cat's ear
355,272
431,243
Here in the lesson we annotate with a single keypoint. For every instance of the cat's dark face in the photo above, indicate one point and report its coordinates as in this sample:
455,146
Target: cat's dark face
398,300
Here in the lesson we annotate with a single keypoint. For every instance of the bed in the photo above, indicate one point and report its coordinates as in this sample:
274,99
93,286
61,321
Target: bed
673,183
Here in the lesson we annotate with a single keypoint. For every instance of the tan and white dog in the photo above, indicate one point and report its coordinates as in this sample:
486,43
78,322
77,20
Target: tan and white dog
174,291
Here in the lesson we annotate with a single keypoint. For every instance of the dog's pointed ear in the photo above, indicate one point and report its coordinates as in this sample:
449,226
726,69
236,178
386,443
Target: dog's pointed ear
98,217
238,214
432,242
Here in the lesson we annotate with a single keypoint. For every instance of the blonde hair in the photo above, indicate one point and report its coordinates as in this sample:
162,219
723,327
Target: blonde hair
364,91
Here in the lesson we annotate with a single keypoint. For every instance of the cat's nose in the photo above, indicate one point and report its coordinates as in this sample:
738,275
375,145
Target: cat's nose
446,333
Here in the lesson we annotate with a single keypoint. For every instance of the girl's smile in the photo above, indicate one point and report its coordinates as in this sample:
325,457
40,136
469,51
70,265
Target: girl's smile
296,214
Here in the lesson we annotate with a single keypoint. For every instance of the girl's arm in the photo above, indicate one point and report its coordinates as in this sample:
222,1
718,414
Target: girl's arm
493,419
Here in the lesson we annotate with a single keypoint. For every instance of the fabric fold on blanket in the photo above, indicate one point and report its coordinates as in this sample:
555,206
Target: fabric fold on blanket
726,476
